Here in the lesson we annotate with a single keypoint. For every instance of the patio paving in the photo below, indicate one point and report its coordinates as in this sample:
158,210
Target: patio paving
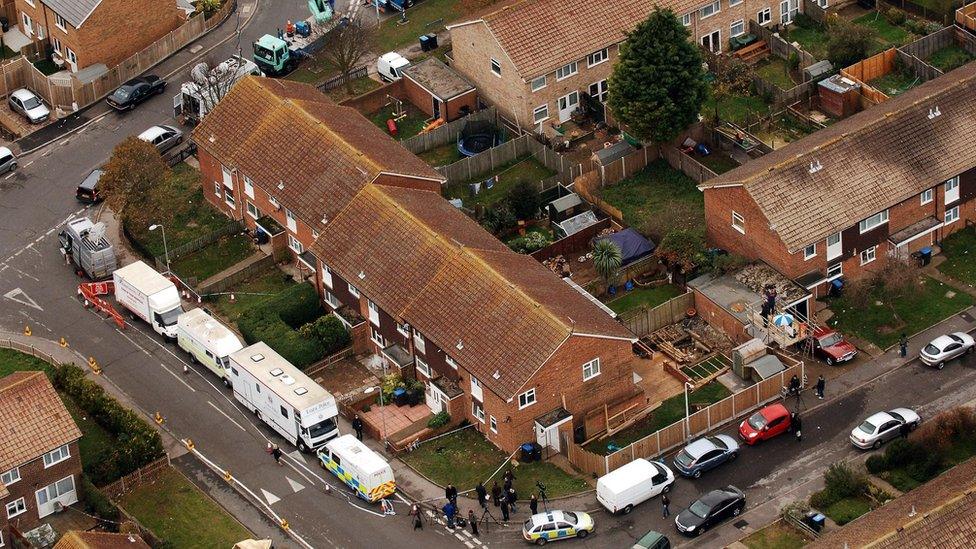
397,418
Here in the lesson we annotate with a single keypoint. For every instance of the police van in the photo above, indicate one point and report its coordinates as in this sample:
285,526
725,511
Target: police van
207,341
362,469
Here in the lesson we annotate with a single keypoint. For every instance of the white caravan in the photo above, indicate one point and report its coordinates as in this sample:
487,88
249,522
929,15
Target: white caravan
207,341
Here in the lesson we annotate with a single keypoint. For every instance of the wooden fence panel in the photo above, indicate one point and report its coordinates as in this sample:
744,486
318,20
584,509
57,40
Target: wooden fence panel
722,411
780,47
698,423
448,133
585,461
643,321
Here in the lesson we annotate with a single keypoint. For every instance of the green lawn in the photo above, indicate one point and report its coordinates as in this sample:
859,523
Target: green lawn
46,66
949,58
848,509
408,126
812,39
895,83
718,162
314,70
440,460
884,320
14,361
738,109
671,411
424,17
441,156
658,188
214,258
960,251
252,293
900,479
179,513
648,297
526,169
359,87
778,535
775,70
886,35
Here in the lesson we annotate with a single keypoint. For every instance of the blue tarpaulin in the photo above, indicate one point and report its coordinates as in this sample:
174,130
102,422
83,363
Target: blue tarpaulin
632,244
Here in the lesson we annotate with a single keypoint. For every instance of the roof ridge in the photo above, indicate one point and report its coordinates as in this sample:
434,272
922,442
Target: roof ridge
498,12
31,375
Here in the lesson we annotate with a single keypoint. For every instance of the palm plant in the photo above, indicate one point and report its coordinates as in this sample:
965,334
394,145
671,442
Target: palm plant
606,259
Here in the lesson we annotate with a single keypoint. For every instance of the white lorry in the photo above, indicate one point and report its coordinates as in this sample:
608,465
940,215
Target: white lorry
149,296
283,397
208,342
208,86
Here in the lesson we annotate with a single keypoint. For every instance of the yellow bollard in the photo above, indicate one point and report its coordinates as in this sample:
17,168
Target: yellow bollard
284,525
159,418
27,330
63,343
227,476
93,364
189,444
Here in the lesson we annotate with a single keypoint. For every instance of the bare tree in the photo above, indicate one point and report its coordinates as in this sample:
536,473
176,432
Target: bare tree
210,81
347,46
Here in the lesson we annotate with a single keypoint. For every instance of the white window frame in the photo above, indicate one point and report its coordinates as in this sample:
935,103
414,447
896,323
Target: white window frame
28,24
928,195
273,201
476,390
873,222
229,198
734,2
763,17
248,187
354,291
423,367
952,190
526,399
30,3
56,456
715,7
493,424
597,57
591,369
332,300
419,343
253,210
496,67
810,252
686,19
56,44
738,222
602,90
218,190
291,221
326,275
838,267
541,109
376,337
10,477
835,250
228,177
451,362
538,83
567,70
868,255
71,57
951,215
374,312
403,329
18,509
60,22
478,410
741,25
295,244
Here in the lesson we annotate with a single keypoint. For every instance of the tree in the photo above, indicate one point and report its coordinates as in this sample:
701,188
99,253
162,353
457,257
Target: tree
212,80
134,171
658,85
524,200
682,248
347,45
733,76
848,43
606,259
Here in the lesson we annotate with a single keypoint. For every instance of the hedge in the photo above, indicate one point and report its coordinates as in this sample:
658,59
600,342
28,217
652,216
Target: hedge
137,443
276,322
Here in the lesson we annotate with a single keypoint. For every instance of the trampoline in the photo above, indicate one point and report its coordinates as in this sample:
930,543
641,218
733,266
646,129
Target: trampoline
477,137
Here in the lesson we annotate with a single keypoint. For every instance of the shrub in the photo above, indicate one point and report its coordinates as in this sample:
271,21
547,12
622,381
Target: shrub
946,429
327,329
439,420
274,321
805,21
926,468
840,482
529,243
391,383
895,16
915,26
498,218
727,263
901,452
848,44
524,200
96,503
876,463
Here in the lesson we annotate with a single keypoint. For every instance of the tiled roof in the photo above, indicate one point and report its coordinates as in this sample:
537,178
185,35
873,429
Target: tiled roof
541,35
426,263
76,539
312,155
33,420
74,12
870,161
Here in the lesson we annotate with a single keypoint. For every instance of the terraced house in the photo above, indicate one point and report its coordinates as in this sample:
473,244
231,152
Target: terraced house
496,337
536,59
883,183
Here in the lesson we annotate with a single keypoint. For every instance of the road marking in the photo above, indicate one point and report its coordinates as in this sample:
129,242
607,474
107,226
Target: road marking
180,379
293,468
468,544
271,498
29,163
140,347
65,142
9,176
239,426
367,510
19,296
294,485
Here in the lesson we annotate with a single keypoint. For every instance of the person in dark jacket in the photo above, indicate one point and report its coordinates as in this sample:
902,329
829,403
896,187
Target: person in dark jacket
357,425
473,521
512,498
534,504
796,425
821,384
482,494
451,493
496,493
417,521
505,510
509,476
450,511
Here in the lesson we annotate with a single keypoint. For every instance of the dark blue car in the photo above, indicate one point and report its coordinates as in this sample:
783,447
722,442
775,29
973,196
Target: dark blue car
704,454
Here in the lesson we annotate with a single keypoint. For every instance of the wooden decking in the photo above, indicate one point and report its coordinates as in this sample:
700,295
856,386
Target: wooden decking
966,17
753,52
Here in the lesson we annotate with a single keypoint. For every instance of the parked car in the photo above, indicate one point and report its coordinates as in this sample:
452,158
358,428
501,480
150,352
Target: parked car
709,510
829,345
162,137
652,540
28,104
638,481
765,424
542,528
8,161
946,347
704,454
135,91
89,191
882,427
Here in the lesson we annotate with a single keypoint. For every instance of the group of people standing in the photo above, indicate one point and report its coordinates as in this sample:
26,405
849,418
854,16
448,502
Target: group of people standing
502,496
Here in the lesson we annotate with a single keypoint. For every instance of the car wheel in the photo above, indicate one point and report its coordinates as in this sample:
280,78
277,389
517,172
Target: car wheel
697,473
13,166
914,425
968,351
830,361
627,510
876,445
736,511
541,541
582,534
302,447
940,365
227,383
667,488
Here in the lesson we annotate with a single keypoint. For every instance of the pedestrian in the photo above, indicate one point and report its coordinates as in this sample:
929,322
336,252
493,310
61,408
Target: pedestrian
506,486
276,454
904,430
534,504
415,513
794,385
797,426
496,493
357,425
505,510
512,498
665,502
482,494
449,511
903,345
821,383
473,522
509,476
451,494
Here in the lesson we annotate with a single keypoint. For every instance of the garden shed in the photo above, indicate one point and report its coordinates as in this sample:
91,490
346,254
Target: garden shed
632,244
610,153
438,90
564,207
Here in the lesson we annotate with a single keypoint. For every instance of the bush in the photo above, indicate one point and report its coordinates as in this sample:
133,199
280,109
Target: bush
805,21
327,329
529,243
901,452
439,420
274,323
926,468
840,482
848,44
498,218
727,263
876,463
895,16
96,503
945,430
524,200
915,26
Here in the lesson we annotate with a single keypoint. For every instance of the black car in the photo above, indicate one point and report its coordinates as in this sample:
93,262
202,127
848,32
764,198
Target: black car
709,510
135,91
89,191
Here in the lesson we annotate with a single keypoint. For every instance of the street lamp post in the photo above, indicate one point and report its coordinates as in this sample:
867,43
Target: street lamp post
165,247
687,411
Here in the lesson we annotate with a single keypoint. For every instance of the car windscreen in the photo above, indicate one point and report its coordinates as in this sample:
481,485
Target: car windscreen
684,459
757,421
571,517
699,509
868,427
170,317
32,103
527,526
322,427
956,338
897,416
931,349
830,340
122,93
718,443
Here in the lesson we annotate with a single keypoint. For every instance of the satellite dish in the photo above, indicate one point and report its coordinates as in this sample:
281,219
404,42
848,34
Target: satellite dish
96,233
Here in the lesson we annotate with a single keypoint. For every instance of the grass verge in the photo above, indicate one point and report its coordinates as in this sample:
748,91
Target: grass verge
960,251
643,297
777,535
848,509
214,258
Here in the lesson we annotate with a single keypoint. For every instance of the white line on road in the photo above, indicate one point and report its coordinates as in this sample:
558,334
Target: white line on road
364,509
9,176
181,380
239,426
65,142
29,163
140,347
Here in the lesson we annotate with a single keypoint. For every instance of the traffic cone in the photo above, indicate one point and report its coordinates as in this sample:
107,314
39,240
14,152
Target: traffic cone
232,299
188,443
227,476
284,525
63,343
27,330
159,418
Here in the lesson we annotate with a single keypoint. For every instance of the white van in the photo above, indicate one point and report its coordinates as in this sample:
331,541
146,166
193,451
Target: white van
363,470
390,66
634,483
208,341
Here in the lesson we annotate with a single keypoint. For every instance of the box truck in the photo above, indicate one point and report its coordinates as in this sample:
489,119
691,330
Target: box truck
283,397
208,342
149,296
363,470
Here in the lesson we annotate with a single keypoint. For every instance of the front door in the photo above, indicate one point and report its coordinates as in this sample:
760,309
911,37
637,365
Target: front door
436,400
567,104
713,41
62,491
547,436
437,108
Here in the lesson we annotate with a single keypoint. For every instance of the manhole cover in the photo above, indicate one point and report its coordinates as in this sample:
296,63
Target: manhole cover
966,316
741,524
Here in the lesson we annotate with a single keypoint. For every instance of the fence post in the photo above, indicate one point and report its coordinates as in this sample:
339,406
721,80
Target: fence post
632,451
606,465
708,416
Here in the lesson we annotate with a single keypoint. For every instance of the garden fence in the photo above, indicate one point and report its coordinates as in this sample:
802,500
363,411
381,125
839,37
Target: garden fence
448,133
645,320
943,16
780,47
627,166
924,47
196,244
682,431
29,350
135,479
781,97
468,169
688,165
244,272
573,243
586,185
341,79
966,16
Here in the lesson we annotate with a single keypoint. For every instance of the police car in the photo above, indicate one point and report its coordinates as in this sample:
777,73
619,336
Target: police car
546,527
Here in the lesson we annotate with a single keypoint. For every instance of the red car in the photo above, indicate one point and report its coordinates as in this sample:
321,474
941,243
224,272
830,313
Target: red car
765,424
829,345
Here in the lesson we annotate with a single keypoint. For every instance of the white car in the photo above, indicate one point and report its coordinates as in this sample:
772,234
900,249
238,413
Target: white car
946,347
542,528
162,137
28,104
882,427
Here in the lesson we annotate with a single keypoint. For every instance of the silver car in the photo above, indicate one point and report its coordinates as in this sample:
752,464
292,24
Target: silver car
946,347
162,137
882,427
8,161
28,104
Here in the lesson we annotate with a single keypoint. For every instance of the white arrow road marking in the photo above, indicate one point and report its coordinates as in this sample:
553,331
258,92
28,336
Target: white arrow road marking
298,456
271,498
294,485
19,296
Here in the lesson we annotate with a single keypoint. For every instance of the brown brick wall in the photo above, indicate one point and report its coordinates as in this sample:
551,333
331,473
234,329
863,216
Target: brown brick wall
33,477
720,319
424,101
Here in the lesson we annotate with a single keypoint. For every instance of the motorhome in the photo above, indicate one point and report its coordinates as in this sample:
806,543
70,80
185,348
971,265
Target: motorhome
208,342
